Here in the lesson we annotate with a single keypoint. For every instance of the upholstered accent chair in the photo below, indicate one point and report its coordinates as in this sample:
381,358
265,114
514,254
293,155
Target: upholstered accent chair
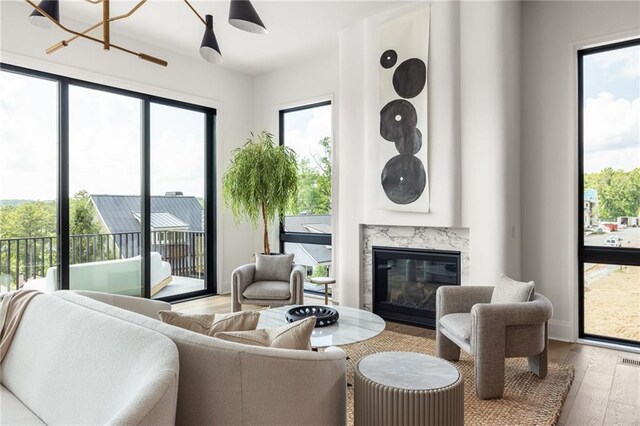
466,319
271,281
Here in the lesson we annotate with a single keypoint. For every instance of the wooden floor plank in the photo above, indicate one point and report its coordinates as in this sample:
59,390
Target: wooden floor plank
626,385
622,414
589,407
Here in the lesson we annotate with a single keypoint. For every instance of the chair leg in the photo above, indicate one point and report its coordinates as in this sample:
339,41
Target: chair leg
489,377
445,348
538,363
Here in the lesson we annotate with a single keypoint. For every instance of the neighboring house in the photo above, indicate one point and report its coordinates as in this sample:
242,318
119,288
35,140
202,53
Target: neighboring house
310,255
177,229
590,207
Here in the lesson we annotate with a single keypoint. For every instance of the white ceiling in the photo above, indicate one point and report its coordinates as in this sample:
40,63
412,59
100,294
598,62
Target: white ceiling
297,29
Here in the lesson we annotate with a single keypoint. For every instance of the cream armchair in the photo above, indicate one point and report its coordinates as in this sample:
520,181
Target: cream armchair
267,290
491,332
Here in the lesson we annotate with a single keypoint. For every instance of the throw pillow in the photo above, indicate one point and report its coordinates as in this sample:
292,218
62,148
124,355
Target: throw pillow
296,335
274,267
212,324
512,291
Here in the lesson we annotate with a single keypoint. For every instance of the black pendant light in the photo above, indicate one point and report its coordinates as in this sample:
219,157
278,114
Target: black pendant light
209,48
51,7
243,16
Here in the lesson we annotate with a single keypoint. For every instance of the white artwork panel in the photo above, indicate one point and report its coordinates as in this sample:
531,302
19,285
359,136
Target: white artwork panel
403,135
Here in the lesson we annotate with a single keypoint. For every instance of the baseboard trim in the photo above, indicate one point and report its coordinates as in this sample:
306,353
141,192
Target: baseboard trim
561,330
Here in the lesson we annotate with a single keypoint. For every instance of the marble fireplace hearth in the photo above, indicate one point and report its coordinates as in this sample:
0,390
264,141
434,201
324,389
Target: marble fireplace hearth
417,237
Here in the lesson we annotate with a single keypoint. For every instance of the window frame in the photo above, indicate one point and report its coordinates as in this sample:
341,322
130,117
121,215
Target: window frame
301,237
596,254
62,162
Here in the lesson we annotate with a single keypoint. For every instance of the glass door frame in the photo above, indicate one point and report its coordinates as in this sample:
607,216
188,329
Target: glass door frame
596,254
62,206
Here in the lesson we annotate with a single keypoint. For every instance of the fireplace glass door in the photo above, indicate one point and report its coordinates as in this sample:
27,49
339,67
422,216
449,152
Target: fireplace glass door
405,282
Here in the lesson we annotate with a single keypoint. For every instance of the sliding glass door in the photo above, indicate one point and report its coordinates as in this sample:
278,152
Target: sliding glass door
609,188
28,176
105,137
178,142
104,189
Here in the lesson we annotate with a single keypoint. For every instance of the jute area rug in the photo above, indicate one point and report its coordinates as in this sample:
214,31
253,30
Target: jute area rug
528,400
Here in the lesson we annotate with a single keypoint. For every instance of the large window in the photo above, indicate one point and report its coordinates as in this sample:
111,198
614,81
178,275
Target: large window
104,189
307,225
609,202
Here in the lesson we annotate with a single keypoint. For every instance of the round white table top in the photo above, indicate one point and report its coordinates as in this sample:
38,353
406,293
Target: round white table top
354,325
323,280
408,370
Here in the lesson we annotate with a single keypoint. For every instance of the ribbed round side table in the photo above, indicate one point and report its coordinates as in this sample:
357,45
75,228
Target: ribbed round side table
407,388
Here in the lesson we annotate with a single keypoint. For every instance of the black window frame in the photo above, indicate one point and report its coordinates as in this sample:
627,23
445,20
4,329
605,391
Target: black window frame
62,208
596,254
301,237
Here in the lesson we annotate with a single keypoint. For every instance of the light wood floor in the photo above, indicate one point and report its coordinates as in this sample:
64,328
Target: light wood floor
604,391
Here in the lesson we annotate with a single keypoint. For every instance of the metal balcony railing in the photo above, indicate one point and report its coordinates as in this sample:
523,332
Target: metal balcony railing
24,259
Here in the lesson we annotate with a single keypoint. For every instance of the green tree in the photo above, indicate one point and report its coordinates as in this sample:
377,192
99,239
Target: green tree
618,192
82,219
314,187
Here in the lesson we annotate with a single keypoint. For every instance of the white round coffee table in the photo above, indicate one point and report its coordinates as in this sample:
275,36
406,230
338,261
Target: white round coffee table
354,325
407,388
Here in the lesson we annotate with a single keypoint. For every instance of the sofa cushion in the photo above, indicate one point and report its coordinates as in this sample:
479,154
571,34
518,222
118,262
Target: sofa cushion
512,291
296,335
14,412
276,267
458,324
268,290
210,324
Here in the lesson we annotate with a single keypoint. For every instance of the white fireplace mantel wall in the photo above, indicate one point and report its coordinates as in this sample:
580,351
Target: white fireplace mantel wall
452,239
473,137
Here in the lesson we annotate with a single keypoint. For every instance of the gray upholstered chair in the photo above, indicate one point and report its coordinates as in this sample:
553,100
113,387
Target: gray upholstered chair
271,281
491,332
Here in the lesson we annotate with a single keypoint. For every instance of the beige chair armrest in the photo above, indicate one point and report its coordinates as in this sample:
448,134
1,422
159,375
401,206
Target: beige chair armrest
242,277
460,299
296,282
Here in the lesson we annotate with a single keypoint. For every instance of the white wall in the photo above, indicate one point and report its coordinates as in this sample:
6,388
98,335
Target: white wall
474,140
551,34
490,135
185,78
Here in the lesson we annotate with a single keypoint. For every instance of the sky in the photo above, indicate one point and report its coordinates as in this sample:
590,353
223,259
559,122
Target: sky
305,128
612,110
104,143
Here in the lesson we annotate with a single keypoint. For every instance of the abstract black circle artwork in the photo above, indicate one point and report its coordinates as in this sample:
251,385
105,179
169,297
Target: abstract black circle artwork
397,120
404,55
403,179
410,78
388,58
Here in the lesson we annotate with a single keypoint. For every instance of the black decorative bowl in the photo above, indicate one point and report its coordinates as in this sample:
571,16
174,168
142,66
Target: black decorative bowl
324,315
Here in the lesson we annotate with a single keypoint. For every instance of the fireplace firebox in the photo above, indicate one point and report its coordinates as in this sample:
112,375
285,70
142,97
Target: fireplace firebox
405,281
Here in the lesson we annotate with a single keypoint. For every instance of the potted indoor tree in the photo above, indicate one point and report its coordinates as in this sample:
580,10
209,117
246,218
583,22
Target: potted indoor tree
260,182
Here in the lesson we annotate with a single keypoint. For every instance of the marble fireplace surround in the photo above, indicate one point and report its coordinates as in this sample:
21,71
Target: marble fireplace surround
455,239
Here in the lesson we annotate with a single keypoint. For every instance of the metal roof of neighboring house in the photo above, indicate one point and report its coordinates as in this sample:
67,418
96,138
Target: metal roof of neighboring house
164,220
319,223
117,211
309,254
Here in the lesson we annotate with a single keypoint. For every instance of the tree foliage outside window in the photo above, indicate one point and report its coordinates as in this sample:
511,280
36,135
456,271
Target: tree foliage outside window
618,192
314,183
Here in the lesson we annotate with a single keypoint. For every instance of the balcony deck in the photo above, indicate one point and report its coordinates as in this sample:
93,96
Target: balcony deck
180,285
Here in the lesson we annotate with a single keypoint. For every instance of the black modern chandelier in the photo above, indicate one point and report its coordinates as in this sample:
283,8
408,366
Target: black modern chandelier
242,15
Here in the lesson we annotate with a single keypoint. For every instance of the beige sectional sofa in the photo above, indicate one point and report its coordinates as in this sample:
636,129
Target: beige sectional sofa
69,364
228,383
